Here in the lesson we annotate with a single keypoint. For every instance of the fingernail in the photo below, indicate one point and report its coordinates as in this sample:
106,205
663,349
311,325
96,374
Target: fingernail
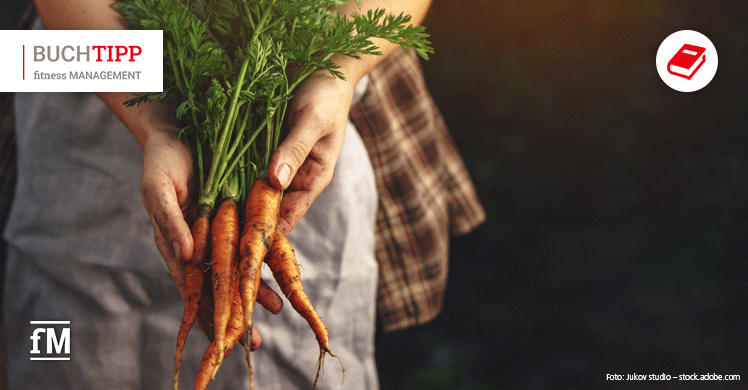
284,175
177,251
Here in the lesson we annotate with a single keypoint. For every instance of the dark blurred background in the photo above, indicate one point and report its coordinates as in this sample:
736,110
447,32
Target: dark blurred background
616,239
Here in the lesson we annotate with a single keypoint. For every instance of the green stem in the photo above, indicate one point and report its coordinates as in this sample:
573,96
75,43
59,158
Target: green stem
211,189
231,190
247,152
260,25
268,140
242,184
180,77
245,148
200,163
177,78
282,112
251,20
223,171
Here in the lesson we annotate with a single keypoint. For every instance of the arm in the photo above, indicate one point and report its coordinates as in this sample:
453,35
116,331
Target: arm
303,163
167,163
356,69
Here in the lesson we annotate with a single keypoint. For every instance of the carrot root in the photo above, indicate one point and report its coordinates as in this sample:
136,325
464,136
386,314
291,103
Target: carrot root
282,262
225,240
263,204
193,284
248,357
234,331
321,366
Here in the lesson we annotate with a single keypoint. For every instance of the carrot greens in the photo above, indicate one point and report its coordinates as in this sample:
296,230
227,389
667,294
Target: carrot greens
227,68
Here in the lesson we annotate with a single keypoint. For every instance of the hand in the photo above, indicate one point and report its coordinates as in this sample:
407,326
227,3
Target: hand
167,169
304,162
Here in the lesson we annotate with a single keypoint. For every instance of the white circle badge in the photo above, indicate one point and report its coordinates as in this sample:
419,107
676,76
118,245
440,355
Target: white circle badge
686,61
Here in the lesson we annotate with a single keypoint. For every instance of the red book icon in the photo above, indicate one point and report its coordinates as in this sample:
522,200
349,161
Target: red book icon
687,61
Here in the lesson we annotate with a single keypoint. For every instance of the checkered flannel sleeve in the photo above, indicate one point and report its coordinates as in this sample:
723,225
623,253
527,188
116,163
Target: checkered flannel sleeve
425,193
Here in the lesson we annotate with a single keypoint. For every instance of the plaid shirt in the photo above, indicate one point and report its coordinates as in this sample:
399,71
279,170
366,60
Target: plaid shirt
425,192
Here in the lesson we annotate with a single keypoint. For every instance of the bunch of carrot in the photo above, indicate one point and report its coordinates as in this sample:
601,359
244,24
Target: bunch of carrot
236,264
230,69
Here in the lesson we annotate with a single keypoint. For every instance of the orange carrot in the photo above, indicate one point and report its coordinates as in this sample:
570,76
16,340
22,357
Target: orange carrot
193,282
234,331
263,203
282,262
224,240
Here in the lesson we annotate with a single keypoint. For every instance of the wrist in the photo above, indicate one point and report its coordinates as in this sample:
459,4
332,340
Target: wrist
144,121
154,121
340,89
354,69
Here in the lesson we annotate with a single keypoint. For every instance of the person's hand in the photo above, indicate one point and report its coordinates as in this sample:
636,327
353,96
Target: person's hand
165,188
304,162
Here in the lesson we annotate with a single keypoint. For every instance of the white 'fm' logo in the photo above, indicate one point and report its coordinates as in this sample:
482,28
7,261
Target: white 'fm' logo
55,345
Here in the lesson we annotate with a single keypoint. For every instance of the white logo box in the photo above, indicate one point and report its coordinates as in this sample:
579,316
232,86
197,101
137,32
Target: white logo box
81,61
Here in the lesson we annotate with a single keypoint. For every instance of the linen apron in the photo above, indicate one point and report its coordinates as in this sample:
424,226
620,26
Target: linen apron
81,249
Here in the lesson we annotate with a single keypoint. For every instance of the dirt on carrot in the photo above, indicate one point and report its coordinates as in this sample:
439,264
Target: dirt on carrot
282,262
234,331
262,207
193,282
263,203
224,240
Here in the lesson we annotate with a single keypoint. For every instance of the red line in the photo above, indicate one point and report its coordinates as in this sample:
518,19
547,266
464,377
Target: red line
24,62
